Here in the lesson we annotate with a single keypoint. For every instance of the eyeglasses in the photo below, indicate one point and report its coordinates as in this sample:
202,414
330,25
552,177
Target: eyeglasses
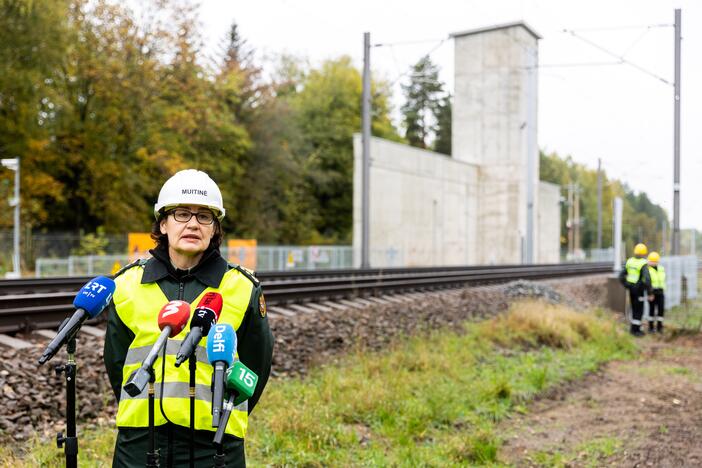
183,216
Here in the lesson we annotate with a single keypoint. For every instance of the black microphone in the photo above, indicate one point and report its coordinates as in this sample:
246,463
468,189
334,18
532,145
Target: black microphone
206,314
89,302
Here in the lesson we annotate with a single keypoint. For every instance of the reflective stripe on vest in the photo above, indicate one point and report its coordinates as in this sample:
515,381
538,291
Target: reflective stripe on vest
633,269
657,277
137,305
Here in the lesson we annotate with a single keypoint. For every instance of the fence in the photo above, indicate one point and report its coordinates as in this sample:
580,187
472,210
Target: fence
677,268
268,258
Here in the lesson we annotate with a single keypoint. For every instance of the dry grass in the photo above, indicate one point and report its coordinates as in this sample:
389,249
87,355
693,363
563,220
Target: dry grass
532,324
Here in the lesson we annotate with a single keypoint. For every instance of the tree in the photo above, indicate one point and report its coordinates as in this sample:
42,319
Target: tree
103,107
442,144
642,218
33,40
421,102
327,113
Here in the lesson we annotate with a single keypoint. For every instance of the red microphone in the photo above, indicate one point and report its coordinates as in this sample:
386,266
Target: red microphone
171,320
174,315
206,314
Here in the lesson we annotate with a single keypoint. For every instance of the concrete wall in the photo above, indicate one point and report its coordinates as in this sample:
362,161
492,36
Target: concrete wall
423,205
470,208
494,126
549,223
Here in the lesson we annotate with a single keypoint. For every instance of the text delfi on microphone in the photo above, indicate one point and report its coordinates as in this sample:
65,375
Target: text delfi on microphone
221,343
95,295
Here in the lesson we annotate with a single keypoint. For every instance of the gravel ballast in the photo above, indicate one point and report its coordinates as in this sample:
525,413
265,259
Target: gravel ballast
34,397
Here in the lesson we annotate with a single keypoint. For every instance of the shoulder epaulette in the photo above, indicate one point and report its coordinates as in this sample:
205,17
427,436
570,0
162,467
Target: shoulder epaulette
250,274
138,262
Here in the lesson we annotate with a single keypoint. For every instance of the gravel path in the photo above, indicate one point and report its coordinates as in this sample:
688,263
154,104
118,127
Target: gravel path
647,411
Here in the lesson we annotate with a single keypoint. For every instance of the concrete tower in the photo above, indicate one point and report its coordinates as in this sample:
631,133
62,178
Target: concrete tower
494,127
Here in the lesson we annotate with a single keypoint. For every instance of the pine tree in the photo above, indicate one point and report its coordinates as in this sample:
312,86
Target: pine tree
442,144
421,102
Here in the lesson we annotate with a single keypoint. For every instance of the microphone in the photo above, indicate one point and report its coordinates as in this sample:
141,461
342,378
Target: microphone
89,302
241,383
171,320
206,314
221,347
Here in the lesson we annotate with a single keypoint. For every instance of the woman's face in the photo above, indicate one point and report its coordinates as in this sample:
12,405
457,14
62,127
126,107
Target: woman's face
189,236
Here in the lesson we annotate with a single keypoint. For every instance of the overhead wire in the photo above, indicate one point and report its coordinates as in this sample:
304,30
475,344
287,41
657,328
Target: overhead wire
621,28
620,58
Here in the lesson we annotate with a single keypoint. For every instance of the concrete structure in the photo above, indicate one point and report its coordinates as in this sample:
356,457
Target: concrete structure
494,126
423,205
470,208
548,228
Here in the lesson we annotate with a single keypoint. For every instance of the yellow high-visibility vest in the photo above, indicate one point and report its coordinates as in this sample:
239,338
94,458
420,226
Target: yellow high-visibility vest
657,277
633,269
138,305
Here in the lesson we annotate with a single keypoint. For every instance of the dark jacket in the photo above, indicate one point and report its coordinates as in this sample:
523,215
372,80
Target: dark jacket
254,338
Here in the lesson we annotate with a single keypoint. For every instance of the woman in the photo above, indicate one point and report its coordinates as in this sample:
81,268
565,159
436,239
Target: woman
185,265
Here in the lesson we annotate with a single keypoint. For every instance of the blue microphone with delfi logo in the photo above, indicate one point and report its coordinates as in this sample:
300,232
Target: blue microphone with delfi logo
89,302
221,349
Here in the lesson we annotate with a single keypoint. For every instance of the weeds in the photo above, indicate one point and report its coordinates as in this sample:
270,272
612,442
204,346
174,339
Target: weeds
427,401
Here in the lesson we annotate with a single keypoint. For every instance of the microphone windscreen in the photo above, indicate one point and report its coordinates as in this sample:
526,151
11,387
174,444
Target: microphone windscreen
221,343
212,301
95,295
203,318
174,314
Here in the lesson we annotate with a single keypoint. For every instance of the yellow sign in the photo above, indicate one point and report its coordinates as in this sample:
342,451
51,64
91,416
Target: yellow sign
242,252
139,244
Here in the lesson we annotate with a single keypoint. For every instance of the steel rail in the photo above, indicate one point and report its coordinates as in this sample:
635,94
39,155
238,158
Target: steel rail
74,283
40,308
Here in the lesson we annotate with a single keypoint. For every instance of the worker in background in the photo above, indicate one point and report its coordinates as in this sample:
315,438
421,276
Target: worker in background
656,302
635,277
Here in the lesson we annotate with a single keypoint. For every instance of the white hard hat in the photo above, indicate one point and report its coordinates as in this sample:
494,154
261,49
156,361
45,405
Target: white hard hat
190,187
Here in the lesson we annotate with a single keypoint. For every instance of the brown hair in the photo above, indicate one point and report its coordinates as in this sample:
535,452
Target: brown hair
162,239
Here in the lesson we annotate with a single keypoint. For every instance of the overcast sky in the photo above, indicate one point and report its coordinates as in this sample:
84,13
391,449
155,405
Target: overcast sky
614,112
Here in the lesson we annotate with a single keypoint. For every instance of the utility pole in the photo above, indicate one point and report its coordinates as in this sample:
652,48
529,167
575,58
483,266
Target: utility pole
14,165
676,142
365,136
576,216
532,158
599,203
664,228
569,223
617,231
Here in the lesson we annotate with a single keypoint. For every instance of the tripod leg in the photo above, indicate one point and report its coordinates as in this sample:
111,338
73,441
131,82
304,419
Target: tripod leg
152,456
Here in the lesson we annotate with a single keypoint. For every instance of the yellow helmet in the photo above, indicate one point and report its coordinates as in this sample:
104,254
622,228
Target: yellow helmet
654,257
640,249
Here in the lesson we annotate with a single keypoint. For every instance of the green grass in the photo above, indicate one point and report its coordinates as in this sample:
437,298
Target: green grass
591,453
433,401
686,318
95,447
426,401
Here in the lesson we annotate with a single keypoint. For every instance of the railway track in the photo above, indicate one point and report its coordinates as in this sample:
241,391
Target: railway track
27,304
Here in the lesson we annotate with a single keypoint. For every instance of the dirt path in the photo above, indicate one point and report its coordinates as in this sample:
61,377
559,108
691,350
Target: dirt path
645,412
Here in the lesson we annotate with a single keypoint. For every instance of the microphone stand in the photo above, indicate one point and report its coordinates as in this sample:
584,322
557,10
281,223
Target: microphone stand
69,443
192,362
152,456
219,461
